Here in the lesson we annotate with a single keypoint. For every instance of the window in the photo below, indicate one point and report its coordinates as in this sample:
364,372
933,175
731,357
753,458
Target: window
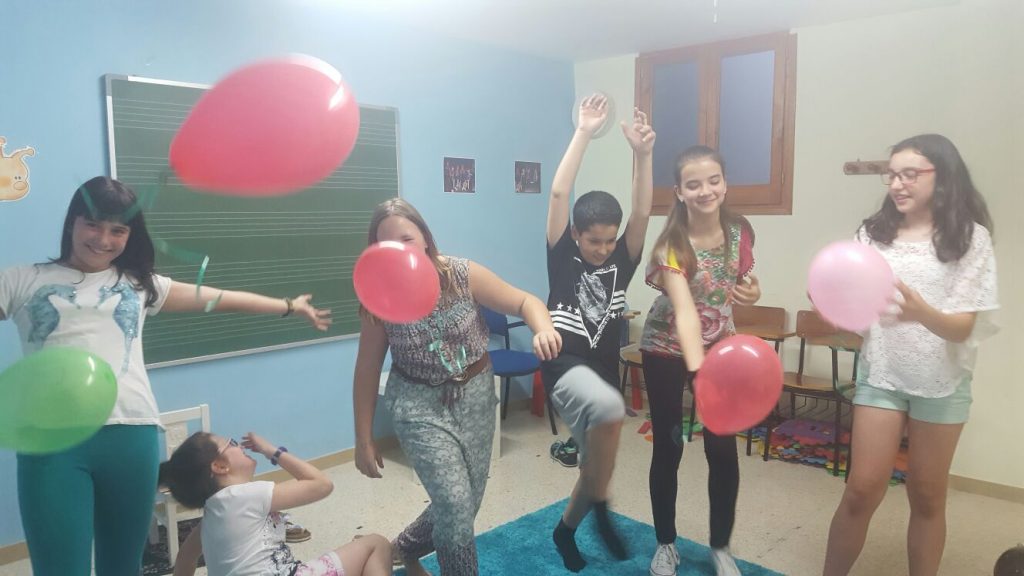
736,96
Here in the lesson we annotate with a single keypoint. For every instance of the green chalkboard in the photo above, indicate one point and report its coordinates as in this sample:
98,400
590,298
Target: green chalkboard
279,246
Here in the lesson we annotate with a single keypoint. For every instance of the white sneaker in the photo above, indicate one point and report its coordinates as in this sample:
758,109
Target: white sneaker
665,561
724,563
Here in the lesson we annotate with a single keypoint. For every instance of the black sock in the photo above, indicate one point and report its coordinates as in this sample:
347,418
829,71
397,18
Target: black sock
607,531
565,543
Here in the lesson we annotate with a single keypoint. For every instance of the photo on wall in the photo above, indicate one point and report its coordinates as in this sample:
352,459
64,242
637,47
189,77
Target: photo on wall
528,177
459,175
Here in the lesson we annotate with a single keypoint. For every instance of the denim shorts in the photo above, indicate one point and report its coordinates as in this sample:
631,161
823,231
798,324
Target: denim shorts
952,409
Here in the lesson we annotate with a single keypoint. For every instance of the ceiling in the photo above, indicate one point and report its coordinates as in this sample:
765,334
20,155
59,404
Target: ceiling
577,30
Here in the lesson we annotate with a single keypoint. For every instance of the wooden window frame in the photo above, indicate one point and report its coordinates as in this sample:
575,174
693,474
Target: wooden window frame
776,197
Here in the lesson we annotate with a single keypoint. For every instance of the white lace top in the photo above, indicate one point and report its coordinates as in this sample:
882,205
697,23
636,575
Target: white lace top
906,356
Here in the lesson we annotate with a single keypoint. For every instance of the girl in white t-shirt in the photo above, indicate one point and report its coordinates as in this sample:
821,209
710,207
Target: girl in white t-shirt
96,296
242,532
917,362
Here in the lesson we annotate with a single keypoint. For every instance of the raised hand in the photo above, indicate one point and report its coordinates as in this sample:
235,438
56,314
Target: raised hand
257,444
593,113
639,134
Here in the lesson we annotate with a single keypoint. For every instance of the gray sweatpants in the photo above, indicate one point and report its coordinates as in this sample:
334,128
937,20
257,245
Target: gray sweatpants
584,400
449,445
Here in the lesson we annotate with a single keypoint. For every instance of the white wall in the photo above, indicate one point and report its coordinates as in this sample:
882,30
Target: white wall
862,86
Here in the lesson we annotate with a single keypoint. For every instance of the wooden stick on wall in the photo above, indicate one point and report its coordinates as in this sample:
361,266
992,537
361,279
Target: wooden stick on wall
865,168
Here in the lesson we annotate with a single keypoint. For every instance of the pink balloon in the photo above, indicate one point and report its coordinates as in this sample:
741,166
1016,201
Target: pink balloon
271,128
396,283
738,384
850,284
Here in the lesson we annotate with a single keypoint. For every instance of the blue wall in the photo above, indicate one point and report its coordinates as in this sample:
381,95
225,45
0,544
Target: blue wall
454,99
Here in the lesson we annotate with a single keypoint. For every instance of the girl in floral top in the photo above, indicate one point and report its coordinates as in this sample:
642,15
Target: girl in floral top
917,363
701,264
440,392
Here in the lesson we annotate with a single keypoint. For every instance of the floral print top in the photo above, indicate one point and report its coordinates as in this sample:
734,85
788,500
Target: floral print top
711,285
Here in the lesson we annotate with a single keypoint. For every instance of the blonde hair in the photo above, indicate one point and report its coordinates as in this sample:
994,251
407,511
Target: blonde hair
402,208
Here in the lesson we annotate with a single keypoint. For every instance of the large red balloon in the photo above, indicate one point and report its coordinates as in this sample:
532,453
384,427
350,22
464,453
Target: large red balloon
271,128
738,384
396,283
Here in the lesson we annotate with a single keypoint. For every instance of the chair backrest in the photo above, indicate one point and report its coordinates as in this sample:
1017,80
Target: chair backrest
812,329
496,323
625,338
176,425
810,324
762,316
817,331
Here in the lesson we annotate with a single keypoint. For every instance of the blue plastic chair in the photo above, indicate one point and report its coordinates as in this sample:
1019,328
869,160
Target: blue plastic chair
508,363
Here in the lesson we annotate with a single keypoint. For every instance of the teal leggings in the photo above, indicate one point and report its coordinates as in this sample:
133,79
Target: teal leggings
104,487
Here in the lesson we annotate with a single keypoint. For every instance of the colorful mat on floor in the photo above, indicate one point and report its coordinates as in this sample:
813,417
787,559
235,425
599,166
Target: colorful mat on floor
684,427
524,546
810,442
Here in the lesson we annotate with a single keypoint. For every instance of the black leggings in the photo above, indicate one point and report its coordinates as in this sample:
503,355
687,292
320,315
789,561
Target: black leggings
666,378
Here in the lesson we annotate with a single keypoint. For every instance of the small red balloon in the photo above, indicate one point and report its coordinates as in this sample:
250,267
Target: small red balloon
271,128
738,384
396,283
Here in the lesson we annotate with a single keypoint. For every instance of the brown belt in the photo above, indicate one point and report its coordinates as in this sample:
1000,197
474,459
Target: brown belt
466,375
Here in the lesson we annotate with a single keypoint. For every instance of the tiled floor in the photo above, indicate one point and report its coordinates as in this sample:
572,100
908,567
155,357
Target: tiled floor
783,512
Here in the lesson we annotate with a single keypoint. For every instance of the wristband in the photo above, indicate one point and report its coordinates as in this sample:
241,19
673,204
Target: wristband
277,454
291,308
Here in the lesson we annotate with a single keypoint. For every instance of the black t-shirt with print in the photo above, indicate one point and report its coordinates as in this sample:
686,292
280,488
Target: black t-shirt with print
586,304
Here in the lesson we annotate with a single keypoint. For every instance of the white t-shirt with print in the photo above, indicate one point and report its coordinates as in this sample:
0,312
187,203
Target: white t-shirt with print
101,312
242,536
910,358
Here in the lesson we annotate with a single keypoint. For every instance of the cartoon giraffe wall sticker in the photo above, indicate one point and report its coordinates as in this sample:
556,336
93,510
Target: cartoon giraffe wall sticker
14,183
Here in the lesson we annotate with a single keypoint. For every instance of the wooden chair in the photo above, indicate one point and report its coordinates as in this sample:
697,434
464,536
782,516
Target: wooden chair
813,330
767,323
630,361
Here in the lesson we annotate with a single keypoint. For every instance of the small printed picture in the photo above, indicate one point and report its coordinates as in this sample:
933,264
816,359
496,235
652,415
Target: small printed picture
528,177
459,175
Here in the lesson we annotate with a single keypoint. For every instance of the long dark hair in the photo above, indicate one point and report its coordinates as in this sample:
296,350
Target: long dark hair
956,203
676,234
106,199
187,473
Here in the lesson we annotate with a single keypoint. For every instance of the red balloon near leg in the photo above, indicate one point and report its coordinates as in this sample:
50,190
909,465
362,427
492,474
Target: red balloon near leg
270,128
396,283
738,384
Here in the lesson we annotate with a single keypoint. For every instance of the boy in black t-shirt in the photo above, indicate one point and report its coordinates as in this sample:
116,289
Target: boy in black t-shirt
589,268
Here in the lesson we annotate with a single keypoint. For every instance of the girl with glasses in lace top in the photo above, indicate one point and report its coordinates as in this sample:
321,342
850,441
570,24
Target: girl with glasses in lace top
918,360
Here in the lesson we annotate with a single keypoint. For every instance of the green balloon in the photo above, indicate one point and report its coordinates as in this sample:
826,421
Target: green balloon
54,399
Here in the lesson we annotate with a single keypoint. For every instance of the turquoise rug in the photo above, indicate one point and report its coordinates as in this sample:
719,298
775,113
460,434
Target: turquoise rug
523,547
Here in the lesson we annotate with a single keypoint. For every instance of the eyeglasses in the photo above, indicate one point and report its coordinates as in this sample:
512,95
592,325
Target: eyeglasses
906,176
231,442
